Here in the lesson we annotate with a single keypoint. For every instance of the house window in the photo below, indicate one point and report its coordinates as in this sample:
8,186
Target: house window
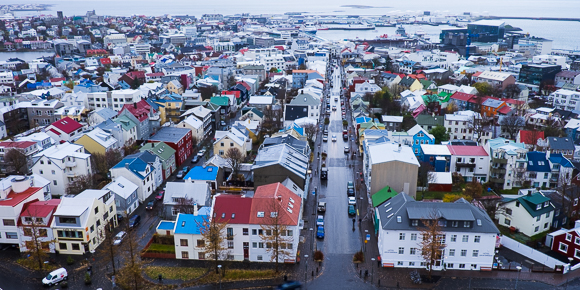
568,237
401,236
254,232
538,218
8,222
245,231
183,242
230,244
200,243
545,225
547,214
76,247
477,239
401,250
454,238
463,253
259,258
415,223
466,224
536,229
508,211
563,247
413,251
411,264
454,224
449,266
451,252
254,245
465,238
413,237
400,263
475,253
261,245
62,246
507,222
461,266
201,255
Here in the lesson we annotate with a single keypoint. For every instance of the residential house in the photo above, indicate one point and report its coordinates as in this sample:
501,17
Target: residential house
530,214
42,140
165,153
175,87
41,112
472,162
64,130
211,175
252,114
299,77
410,84
508,163
114,100
27,148
125,191
538,169
530,138
205,116
467,231
61,164
565,242
437,155
390,164
226,140
147,118
139,173
419,136
16,192
565,99
303,105
562,145
187,234
116,131
177,138
98,141
34,225
460,124
278,162
176,192
130,131
428,122
80,221
492,107
392,123
154,162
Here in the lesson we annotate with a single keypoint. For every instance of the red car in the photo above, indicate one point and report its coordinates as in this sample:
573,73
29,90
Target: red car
159,195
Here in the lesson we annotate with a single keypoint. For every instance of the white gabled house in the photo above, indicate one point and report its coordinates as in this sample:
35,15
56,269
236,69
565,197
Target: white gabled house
530,214
187,234
126,199
139,173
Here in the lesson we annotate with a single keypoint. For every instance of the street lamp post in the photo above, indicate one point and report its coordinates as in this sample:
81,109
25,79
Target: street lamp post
312,247
518,278
220,273
569,259
306,273
372,269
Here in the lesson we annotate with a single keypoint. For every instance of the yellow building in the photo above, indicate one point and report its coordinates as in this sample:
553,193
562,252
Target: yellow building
169,108
97,141
76,113
175,87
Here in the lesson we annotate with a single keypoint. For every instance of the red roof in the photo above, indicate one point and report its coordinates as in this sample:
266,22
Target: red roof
512,101
105,60
67,125
461,150
288,204
54,131
233,209
279,47
140,110
504,110
476,74
136,74
157,74
40,208
526,135
14,199
54,80
462,96
235,93
17,144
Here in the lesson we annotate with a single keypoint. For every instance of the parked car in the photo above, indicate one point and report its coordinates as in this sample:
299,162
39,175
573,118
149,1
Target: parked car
334,108
320,232
201,152
325,138
150,205
346,149
321,206
180,174
324,172
195,159
290,285
120,217
119,238
320,220
352,200
134,221
185,169
55,277
351,210
159,195
223,123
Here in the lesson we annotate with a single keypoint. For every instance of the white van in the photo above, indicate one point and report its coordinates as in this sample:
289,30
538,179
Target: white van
55,277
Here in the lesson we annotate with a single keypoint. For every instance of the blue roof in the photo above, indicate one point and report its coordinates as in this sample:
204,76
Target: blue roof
299,129
360,120
135,165
166,225
200,173
189,224
537,162
559,159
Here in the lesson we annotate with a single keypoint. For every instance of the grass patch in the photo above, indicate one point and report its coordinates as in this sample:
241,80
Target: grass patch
174,273
239,275
159,248
516,236
33,264
514,190
432,194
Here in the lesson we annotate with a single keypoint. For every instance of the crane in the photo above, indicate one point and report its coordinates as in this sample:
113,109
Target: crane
500,60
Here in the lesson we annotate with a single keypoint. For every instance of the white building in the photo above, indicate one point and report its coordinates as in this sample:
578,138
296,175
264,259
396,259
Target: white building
61,164
113,99
565,100
530,214
126,199
469,235
469,161
6,77
460,124
195,125
138,172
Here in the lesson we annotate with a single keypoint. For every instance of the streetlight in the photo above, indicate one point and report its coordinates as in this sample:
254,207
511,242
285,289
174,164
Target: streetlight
518,278
372,269
312,247
220,274
306,273
569,259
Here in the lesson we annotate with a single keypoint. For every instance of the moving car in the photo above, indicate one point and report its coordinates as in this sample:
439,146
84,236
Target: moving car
134,221
324,173
333,138
336,99
159,195
334,108
321,206
320,220
150,205
352,200
351,210
320,232
325,131
346,149
119,238
55,277
290,285
180,174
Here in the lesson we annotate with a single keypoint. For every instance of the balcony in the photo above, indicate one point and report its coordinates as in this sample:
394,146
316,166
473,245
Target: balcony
497,170
71,174
468,165
497,180
70,164
499,160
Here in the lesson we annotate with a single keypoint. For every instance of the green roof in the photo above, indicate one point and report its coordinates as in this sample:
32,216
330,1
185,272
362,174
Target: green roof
531,202
220,101
444,97
383,195
160,149
254,110
125,122
426,83
430,120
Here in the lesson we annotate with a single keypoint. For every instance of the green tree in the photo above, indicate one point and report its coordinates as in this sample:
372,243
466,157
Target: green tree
440,134
483,88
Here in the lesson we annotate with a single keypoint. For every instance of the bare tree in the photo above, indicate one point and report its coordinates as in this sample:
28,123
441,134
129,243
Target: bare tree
432,241
310,130
479,126
79,184
234,158
37,244
512,124
276,232
473,189
129,275
103,162
107,251
214,239
185,205
16,161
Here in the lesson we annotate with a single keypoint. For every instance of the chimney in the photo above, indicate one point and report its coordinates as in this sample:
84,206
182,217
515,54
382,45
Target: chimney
127,165
135,105
195,209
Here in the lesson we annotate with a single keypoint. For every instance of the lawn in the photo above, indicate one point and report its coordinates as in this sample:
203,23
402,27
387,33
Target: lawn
241,274
159,248
174,273
432,194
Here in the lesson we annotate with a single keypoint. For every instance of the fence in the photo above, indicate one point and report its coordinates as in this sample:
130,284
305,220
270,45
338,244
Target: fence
531,253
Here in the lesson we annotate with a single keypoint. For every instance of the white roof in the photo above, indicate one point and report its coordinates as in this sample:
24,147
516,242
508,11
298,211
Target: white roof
261,100
397,119
449,87
387,152
249,124
494,75
193,122
60,151
199,111
73,206
197,191
103,138
236,138
435,149
441,178
573,124
462,116
122,187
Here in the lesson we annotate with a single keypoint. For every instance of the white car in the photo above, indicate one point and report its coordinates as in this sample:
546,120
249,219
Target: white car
351,200
55,277
119,238
333,138
201,152
320,220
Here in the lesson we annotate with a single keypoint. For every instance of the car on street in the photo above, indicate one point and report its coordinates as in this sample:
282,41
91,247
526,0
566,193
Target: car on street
150,205
55,277
320,232
134,221
320,220
342,102
185,169
324,172
343,113
352,200
223,123
195,159
180,174
120,217
346,149
350,188
201,153
159,195
119,238
321,206
334,108
325,138
290,285
325,131
328,111
351,210
333,138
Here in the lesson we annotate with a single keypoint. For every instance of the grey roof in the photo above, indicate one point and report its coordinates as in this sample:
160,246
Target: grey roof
404,208
305,99
561,143
284,155
146,156
170,134
286,139
108,125
106,113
